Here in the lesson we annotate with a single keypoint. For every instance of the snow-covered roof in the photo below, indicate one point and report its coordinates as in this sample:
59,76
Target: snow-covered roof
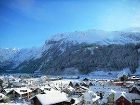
128,96
52,97
1,96
22,90
45,87
90,96
77,101
70,88
135,86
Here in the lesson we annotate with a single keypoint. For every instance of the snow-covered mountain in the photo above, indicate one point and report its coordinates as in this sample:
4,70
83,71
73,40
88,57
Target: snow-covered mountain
19,55
7,53
100,37
80,50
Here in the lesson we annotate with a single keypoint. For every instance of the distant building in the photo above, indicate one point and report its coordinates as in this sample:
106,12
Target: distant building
37,73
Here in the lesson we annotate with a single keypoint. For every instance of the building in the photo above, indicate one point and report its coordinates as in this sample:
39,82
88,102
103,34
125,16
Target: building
90,98
125,98
51,98
23,93
122,101
134,89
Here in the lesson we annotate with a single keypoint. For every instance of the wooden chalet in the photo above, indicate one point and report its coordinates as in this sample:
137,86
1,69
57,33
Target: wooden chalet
125,98
122,101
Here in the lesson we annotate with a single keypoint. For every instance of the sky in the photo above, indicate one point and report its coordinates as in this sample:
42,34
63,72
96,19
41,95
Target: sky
28,23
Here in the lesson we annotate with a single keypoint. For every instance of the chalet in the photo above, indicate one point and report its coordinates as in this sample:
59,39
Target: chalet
85,79
37,91
69,90
134,89
46,87
90,84
90,98
84,84
51,98
74,84
77,85
80,90
70,84
2,96
125,98
122,101
87,84
16,93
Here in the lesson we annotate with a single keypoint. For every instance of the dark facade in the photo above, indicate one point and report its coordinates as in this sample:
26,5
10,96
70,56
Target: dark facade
122,101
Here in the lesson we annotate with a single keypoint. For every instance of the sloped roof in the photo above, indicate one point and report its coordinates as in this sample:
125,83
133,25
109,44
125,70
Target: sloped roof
1,96
52,97
128,96
21,91
91,96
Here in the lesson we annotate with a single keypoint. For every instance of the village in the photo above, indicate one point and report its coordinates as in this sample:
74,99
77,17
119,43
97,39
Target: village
44,90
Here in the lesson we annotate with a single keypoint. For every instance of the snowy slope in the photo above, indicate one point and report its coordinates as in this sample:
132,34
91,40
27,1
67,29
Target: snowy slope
26,54
7,53
100,37
19,55
89,36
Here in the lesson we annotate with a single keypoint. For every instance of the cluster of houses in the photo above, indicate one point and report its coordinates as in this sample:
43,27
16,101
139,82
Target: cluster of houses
56,91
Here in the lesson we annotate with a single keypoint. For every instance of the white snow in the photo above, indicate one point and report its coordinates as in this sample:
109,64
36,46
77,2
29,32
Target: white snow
52,97
97,36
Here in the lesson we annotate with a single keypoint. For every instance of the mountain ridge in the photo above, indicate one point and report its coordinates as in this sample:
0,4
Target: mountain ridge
66,45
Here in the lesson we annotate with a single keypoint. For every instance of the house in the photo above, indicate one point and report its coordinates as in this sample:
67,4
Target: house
85,79
71,84
122,101
51,98
2,96
69,90
23,93
80,90
37,91
125,98
84,84
77,85
90,98
134,89
90,84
